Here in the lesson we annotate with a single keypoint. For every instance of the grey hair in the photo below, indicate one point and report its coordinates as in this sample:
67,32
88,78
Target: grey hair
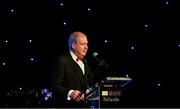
73,39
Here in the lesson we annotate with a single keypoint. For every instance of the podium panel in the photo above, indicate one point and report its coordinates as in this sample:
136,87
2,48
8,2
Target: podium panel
110,96
108,92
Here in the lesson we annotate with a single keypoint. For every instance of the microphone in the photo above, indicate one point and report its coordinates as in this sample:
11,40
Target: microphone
101,62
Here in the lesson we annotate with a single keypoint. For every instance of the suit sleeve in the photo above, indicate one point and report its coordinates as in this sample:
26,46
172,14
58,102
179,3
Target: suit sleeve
58,77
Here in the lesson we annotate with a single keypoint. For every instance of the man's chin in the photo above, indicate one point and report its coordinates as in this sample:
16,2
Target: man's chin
84,54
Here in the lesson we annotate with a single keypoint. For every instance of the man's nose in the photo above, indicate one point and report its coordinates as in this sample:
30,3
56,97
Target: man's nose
86,46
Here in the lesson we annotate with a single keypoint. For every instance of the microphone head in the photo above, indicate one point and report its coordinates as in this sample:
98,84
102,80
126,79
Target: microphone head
95,54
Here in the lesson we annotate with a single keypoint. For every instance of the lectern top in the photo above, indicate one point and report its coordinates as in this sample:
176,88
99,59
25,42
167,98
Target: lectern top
118,78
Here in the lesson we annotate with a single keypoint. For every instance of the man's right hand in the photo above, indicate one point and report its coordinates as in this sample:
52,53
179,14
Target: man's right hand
77,95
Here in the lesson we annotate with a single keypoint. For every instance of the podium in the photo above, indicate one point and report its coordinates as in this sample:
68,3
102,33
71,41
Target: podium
107,93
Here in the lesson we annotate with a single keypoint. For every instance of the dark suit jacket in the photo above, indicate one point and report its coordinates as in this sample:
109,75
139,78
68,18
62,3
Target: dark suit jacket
68,75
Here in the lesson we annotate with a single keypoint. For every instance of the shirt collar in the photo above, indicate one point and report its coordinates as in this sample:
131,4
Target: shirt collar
73,55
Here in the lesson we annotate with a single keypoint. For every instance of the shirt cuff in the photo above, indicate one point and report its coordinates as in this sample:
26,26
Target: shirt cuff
68,95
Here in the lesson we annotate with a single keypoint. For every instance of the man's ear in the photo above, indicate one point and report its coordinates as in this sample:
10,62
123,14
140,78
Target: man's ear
73,45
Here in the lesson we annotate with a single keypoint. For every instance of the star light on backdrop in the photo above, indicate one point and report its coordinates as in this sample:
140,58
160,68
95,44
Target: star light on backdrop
158,84
106,41
132,48
64,23
127,75
32,59
89,9
3,63
61,4
12,12
167,2
147,27
30,41
178,45
3,43
20,88
6,41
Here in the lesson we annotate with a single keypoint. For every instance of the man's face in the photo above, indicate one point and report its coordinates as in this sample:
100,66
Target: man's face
81,46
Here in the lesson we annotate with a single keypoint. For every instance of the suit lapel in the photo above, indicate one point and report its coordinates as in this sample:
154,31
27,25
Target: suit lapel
77,70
